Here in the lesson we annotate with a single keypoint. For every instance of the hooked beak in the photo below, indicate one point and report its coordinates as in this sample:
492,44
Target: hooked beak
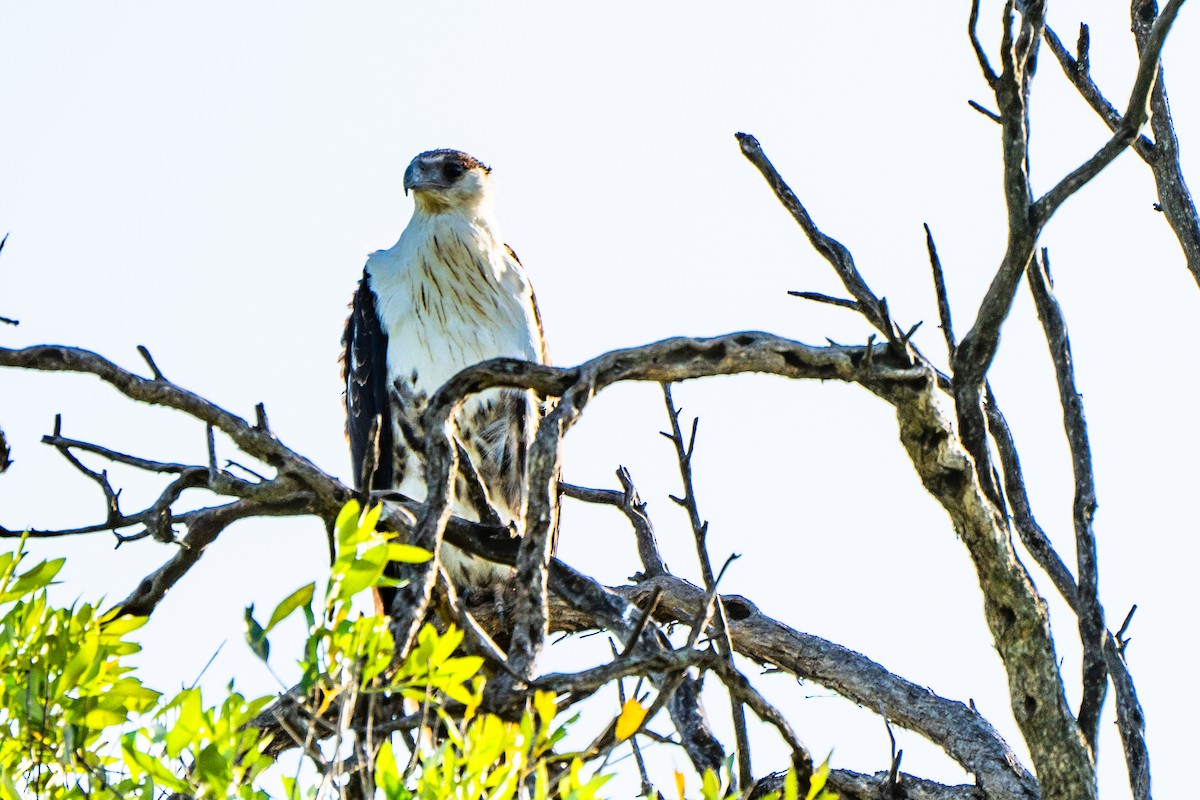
416,178
410,177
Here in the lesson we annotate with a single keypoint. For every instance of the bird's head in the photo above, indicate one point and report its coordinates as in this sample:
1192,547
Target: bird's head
448,180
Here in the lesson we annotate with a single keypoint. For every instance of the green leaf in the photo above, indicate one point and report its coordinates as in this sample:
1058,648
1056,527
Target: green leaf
115,627
6,560
255,635
387,774
8,789
347,520
142,763
363,572
130,694
37,578
407,553
816,785
301,597
188,725
710,786
369,520
213,768
461,669
99,718
81,660
444,645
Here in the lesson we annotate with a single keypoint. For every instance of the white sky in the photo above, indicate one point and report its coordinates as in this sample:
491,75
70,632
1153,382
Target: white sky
207,181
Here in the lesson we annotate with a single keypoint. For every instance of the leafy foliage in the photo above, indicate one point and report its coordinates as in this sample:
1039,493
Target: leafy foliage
76,722
64,689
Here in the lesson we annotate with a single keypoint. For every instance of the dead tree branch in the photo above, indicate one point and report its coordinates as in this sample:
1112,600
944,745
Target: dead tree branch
631,505
1162,155
1015,612
1090,614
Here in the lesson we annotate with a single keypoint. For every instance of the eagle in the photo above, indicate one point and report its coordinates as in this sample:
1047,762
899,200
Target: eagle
446,296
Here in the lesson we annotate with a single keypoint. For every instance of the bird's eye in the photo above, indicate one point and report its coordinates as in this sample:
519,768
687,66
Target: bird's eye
453,171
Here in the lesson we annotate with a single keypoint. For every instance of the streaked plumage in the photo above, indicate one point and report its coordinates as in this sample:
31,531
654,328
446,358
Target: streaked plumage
447,295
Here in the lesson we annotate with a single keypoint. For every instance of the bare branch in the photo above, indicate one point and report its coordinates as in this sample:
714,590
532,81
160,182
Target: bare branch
1131,722
987,112
857,786
817,297
145,354
964,482
683,455
603,608
989,74
1077,71
1136,115
6,321
1162,155
928,438
832,250
939,286
1091,616
634,509
257,443
533,556
893,784
1174,198
959,730
204,526
476,494
1031,533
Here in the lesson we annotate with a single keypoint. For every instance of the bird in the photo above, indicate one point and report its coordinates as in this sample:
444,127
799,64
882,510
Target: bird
449,294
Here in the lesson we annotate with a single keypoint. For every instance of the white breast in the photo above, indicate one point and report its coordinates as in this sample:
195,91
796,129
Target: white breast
449,296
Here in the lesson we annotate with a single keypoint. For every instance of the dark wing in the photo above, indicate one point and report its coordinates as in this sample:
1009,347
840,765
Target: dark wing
365,372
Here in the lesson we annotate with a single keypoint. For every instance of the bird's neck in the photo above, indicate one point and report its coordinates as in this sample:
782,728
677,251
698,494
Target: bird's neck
478,206
468,224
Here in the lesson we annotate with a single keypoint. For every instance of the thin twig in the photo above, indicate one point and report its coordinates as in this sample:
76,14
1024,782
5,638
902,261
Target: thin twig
989,74
987,112
700,535
1162,155
832,250
154,370
683,455
1137,113
1032,535
238,465
640,627
211,442
1090,614
939,287
647,788
827,299
260,418
1120,635
893,779
1077,71
476,494
6,321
